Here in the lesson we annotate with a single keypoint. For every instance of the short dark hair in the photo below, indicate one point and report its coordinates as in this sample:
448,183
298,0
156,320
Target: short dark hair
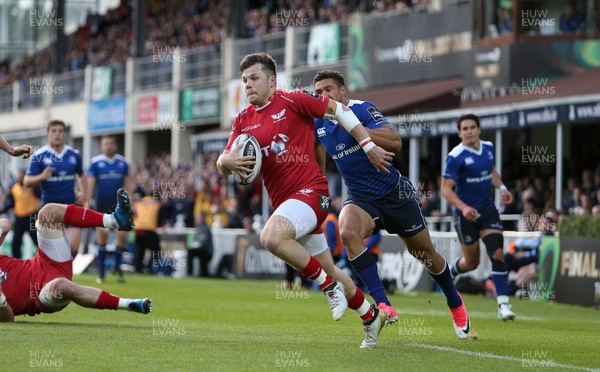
269,66
54,123
109,136
330,74
473,117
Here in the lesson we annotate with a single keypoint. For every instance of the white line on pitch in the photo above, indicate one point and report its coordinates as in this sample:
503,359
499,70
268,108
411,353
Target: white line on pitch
523,361
474,314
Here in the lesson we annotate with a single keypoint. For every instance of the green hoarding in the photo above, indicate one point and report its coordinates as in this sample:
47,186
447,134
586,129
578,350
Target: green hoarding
200,103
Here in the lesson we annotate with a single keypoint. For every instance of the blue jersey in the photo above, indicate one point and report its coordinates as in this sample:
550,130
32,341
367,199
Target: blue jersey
472,173
110,176
60,187
359,174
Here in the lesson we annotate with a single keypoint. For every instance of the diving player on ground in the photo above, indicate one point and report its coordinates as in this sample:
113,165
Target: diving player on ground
43,284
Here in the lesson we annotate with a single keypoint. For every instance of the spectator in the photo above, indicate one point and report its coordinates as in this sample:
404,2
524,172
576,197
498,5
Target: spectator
145,224
505,24
587,181
523,254
26,202
201,248
596,200
568,196
572,20
234,216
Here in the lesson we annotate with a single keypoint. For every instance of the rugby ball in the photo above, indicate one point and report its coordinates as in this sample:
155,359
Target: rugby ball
250,147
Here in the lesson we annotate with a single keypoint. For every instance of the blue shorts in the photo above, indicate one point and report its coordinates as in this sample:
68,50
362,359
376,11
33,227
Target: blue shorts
399,212
468,231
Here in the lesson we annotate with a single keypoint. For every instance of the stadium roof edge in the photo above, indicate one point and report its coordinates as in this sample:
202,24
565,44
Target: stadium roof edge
455,113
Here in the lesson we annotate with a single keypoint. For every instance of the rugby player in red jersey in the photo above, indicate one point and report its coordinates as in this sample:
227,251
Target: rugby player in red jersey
43,283
283,124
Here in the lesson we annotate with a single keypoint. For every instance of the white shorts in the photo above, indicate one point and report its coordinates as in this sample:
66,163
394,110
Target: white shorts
314,243
304,219
54,243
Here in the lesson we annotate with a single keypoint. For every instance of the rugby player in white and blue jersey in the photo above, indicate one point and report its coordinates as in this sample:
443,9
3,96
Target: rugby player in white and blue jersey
467,183
57,167
107,173
378,200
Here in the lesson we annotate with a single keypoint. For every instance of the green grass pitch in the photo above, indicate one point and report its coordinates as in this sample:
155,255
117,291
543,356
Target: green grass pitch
218,325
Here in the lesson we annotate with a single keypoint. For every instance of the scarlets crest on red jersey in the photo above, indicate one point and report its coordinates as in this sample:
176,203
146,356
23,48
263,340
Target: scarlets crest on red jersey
284,128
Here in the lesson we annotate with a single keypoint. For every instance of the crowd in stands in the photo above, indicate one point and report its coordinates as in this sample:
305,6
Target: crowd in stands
191,189
107,39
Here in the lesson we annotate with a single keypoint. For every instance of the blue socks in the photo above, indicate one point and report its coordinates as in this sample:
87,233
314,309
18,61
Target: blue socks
119,259
444,280
501,282
454,270
101,261
366,268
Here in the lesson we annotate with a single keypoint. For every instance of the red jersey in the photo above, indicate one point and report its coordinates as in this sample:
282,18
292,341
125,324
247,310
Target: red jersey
284,128
26,278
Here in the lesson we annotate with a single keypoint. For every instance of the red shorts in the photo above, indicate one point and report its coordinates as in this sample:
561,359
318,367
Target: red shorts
317,201
26,278
43,270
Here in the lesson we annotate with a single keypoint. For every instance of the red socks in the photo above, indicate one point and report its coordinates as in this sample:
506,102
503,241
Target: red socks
107,301
313,271
356,302
83,217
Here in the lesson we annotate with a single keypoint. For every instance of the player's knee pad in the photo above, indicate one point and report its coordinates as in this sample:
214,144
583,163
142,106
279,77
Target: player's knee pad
493,242
53,296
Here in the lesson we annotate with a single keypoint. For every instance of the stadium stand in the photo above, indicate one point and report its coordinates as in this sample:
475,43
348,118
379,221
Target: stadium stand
203,30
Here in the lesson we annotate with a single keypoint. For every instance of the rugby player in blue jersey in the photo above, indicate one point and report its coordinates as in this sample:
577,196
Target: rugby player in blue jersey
378,200
57,167
467,183
107,173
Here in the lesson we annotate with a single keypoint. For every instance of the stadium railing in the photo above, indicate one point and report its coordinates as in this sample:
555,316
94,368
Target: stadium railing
153,72
202,65
6,98
68,87
225,242
445,223
274,44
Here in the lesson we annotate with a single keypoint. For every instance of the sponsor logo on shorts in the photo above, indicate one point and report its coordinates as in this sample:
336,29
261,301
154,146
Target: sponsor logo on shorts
413,228
324,202
305,192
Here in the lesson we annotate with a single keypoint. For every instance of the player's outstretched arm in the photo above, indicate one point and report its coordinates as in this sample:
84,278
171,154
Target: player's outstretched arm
380,158
24,150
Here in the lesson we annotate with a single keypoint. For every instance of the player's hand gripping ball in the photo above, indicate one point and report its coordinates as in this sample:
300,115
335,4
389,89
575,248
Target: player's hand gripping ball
250,147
